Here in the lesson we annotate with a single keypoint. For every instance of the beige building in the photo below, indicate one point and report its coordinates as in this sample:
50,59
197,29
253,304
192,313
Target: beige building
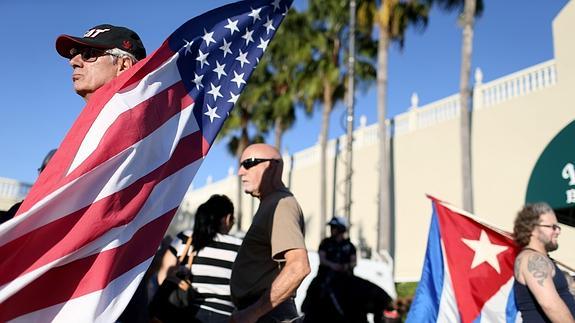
11,191
515,117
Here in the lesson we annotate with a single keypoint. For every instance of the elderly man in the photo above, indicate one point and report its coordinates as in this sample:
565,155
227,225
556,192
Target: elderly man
103,53
541,291
272,261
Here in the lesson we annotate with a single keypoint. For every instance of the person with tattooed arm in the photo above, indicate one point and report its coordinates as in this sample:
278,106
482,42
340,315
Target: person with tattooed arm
541,291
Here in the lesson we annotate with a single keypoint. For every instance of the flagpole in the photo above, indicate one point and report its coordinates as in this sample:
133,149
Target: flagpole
350,108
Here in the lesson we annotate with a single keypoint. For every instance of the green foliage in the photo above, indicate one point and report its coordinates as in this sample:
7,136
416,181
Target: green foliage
406,289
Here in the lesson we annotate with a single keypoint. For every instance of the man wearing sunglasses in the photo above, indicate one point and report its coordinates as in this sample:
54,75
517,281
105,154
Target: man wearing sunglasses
103,53
272,261
541,290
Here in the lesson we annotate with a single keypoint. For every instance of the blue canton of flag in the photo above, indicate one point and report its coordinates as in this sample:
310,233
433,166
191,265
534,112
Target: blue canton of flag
216,57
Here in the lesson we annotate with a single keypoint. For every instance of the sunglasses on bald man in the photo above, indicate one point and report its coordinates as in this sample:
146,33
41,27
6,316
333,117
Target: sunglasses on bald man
251,162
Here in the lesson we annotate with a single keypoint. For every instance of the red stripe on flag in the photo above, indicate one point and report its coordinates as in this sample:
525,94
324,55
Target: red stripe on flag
136,124
54,176
86,275
72,232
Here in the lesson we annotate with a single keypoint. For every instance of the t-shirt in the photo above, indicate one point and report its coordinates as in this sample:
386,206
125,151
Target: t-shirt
336,251
277,226
211,270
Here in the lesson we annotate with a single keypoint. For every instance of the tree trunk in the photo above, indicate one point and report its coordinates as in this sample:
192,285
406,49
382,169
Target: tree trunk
242,144
464,94
384,220
278,133
327,106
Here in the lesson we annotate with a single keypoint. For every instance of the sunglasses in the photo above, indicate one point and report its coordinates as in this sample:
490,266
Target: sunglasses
552,226
251,162
88,54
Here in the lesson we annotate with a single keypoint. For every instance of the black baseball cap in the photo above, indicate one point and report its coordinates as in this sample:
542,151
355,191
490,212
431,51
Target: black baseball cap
103,37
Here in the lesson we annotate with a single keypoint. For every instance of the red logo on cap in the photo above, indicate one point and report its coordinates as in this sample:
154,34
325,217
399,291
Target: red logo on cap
127,44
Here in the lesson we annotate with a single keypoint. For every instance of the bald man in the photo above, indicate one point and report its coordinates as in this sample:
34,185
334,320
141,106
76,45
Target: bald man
272,261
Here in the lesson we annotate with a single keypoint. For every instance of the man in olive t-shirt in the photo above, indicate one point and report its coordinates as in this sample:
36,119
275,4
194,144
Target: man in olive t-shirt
272,261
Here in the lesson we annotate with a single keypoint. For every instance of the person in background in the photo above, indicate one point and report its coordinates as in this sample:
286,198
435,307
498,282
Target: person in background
541,291
272,261
337,254
214,253
337,259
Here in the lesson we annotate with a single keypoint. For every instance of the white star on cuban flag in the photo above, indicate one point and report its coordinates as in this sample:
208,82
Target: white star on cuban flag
485,251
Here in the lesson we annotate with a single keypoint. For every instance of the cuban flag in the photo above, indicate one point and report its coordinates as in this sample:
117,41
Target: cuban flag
467,273
90,226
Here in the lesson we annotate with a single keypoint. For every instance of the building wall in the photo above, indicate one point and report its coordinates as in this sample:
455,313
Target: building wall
11,192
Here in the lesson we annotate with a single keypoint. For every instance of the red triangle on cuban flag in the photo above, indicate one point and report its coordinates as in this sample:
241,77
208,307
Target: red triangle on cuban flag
480,260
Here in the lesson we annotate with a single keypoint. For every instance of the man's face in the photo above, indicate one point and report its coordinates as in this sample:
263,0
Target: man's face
90,76
252,177
546,231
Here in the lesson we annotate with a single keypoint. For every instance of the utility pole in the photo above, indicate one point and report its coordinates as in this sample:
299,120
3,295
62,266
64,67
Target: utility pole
350,106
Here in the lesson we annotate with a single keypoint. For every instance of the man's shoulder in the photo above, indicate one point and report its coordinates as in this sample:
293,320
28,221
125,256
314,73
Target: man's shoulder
532,262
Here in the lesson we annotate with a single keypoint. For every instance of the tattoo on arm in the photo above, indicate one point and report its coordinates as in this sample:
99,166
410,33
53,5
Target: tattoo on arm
517,267
539,268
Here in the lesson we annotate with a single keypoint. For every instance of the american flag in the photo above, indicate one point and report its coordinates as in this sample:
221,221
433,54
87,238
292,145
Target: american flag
91,224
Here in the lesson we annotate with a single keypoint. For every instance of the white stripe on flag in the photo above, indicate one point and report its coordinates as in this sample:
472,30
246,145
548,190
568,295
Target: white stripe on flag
107,178
165,196
107,303
154,83
448,311
495,308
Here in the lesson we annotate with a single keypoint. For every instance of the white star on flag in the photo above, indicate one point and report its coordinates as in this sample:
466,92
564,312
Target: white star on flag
232,26
208,37
485,251
188,47
263,44
226,47
255,14
215,91
276,5
243,58
233,98
248,36
238,79
220,70
198,80
203,58
212,113
269,26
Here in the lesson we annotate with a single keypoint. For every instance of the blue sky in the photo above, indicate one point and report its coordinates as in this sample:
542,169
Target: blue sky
38,105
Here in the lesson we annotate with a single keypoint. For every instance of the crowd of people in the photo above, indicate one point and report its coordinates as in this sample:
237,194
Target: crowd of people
208,275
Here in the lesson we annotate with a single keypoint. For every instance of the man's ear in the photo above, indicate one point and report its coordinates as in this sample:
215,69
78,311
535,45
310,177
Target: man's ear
124,63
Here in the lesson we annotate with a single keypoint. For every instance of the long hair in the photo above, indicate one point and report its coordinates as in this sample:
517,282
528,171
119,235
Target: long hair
526,221
208,220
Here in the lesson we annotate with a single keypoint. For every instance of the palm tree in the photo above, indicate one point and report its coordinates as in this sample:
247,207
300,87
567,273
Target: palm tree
392,18
323,79
285,61
469,10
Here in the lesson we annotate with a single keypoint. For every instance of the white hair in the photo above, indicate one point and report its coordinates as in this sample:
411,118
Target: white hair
115,53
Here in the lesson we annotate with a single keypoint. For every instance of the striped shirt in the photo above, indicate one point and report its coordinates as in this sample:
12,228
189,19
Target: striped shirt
211,270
